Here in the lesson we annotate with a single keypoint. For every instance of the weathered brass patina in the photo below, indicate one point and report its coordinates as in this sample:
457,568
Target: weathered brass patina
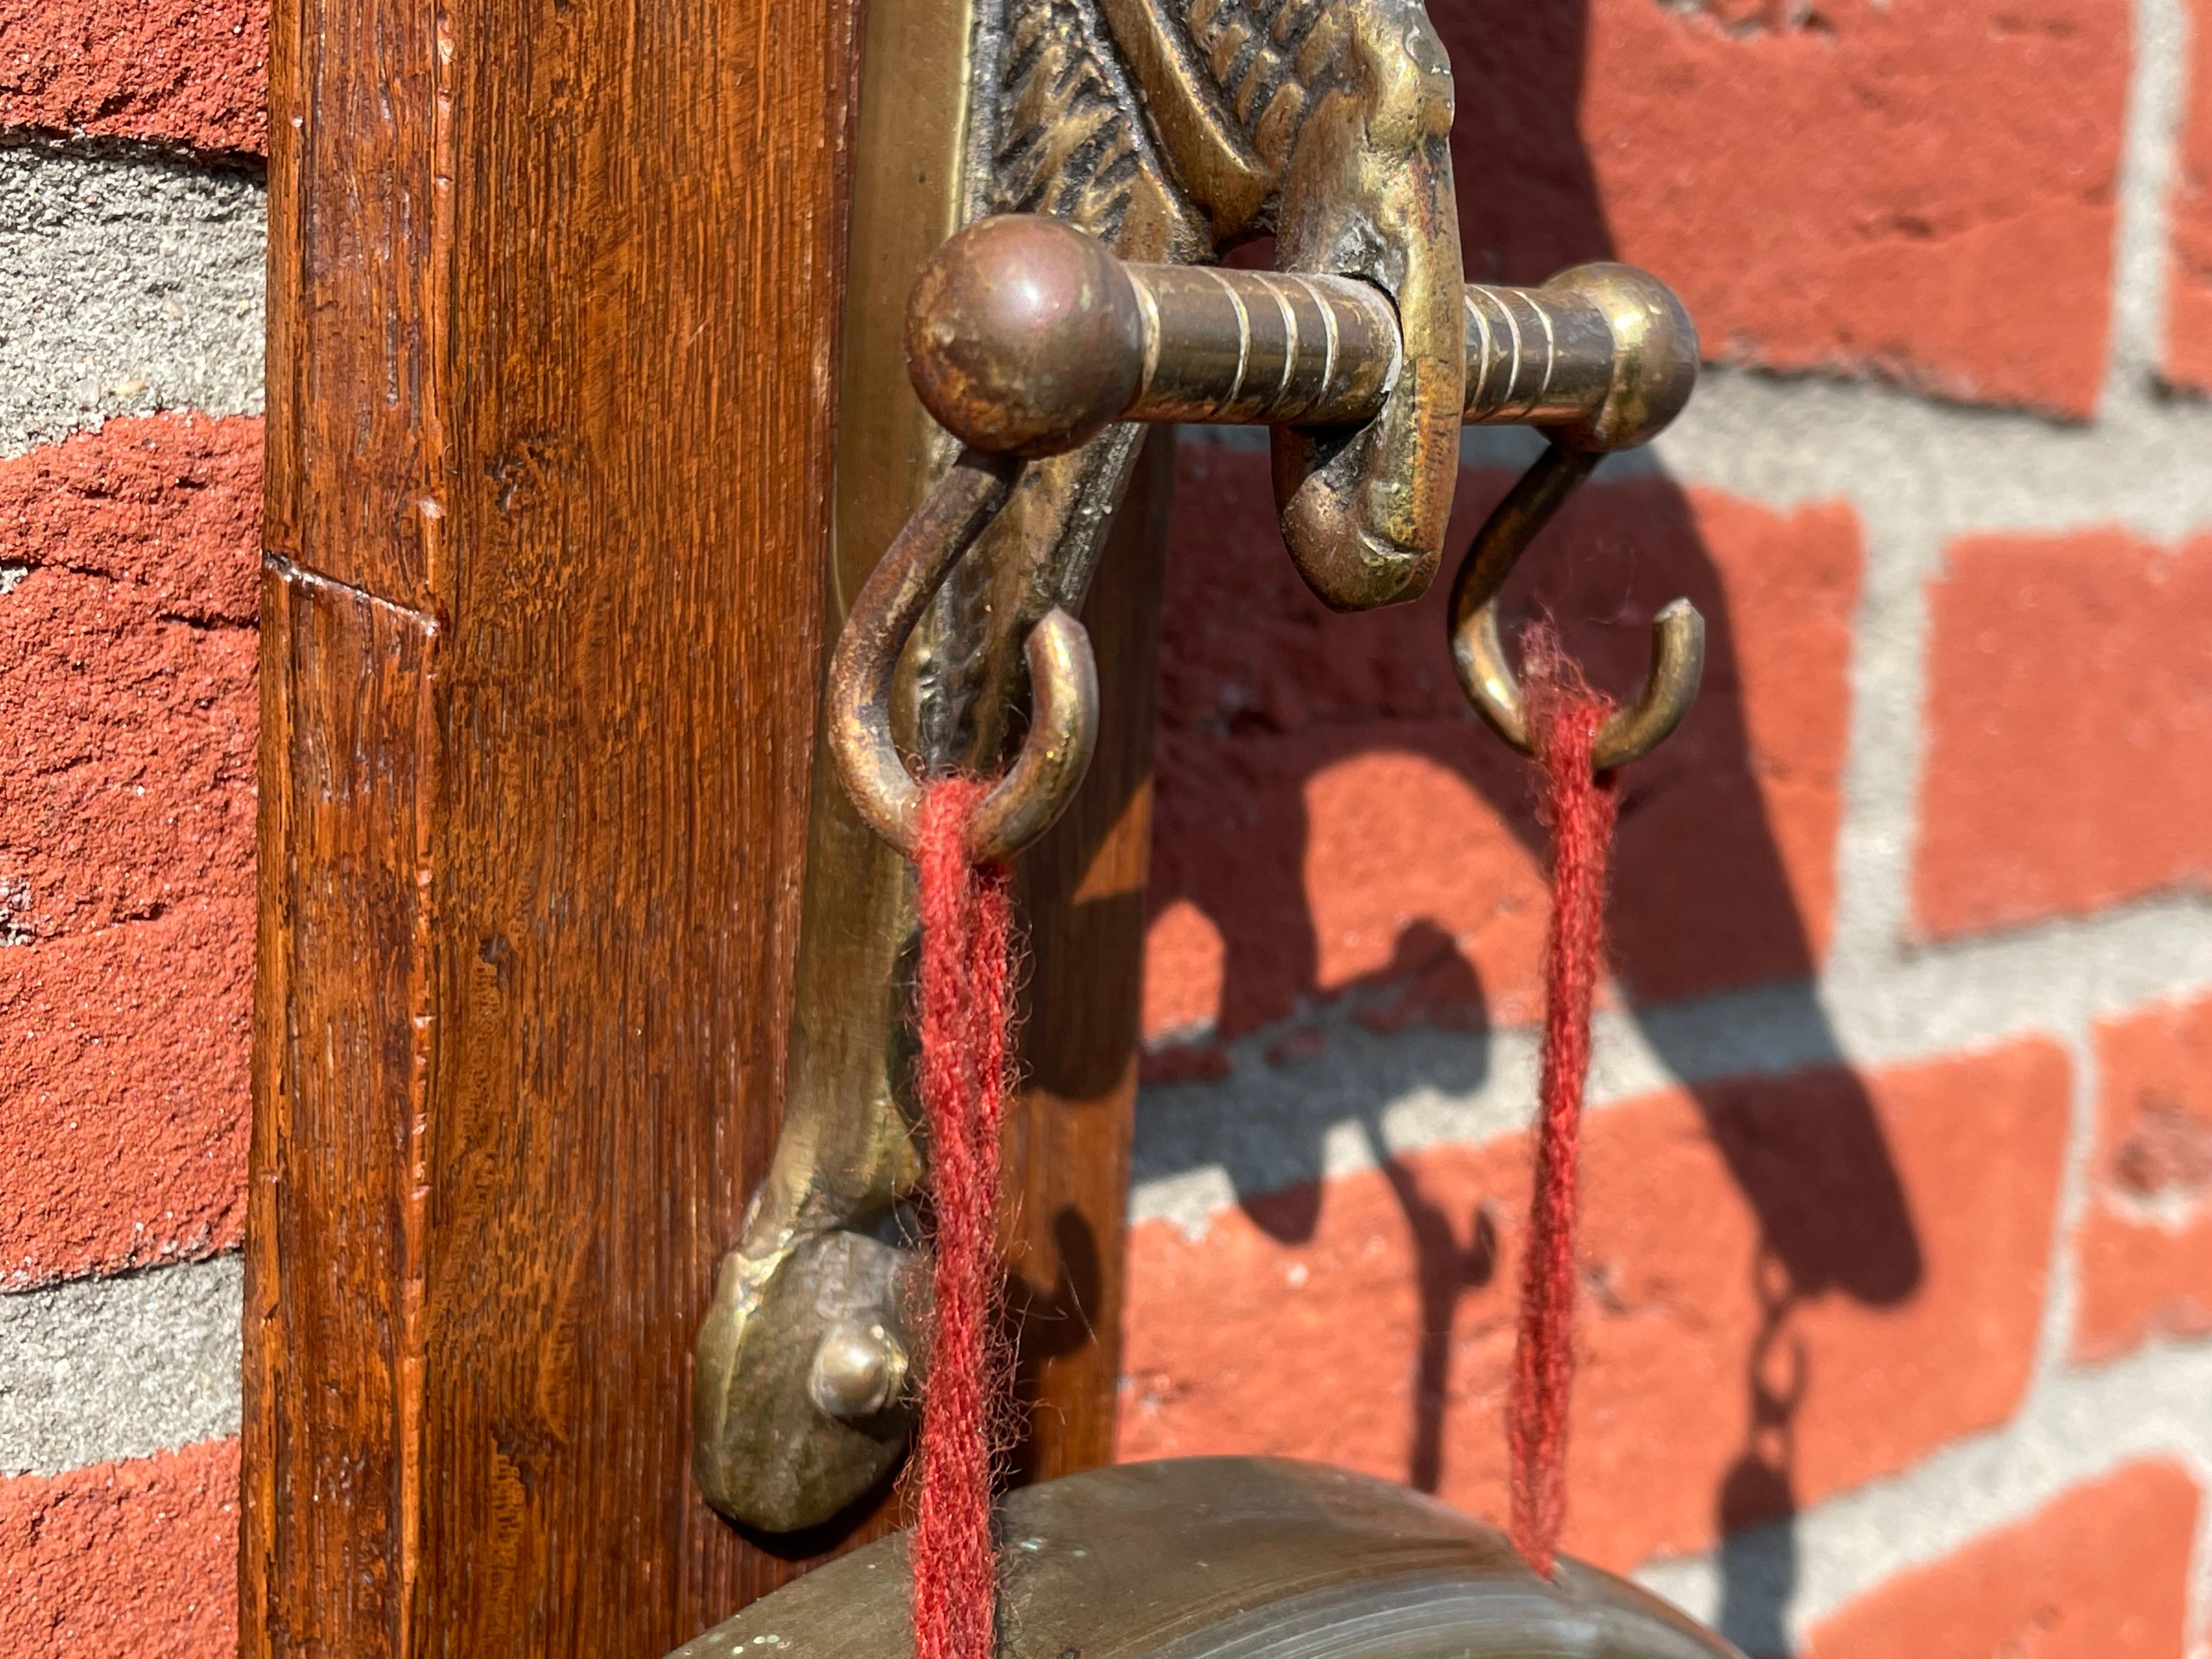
1232,1558
1063,685
1027,337
1651,370
763,1452
1166,131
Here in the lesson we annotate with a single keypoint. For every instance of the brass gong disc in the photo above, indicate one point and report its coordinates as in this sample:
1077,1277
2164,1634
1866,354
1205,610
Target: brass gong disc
1232,1558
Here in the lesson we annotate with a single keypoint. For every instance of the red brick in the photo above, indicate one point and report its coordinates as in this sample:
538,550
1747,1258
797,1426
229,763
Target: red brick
1909,190
2145,1241
126,826
1370,1324
1331,814
2069,706
193,73
124,1093
139,1559
1183,967
2188,273
171,501
2100,1572
127,672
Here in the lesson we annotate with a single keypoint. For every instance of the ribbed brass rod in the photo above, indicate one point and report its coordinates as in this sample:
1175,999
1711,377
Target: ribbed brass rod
1025,336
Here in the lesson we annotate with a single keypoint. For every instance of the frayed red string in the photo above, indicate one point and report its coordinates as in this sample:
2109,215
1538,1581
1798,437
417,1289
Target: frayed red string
966,1014
1578,805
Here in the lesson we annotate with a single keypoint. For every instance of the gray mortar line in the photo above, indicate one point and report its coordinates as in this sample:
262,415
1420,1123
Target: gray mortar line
99,1369
2062,1289
1932,471
2078,1426
1201,1146
1919,474
2157,96
127,285
1882,756
1958,470
1982,990
1940,469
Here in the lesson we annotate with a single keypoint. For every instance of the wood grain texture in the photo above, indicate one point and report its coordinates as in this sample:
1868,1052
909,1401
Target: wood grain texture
347,781
1082,894
554,290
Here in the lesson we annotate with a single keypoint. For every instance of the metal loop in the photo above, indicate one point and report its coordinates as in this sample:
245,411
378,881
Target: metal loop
1678,632
1063,678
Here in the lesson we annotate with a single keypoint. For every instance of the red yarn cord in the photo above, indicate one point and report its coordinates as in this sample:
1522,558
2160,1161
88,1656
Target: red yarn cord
1578,803
966,1012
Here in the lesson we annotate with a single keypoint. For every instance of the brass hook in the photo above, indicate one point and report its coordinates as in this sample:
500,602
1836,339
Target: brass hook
1678,632
1063,678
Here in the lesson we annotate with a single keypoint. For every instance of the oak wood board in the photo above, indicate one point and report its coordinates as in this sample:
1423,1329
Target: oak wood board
553,307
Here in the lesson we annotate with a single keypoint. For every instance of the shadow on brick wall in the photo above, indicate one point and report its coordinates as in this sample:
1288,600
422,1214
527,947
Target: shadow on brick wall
1263,694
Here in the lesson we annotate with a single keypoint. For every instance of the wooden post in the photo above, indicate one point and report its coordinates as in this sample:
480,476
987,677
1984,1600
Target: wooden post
555,290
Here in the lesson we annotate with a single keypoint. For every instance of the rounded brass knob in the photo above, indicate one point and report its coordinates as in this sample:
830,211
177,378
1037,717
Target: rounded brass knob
859,1369
1022,337
1652,369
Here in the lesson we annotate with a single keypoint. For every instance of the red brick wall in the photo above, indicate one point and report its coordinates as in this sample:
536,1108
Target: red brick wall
190,75
138,1558
1898,1231
1909,1319
1856,186
2103,1570
128,566
127,688
1895,1328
